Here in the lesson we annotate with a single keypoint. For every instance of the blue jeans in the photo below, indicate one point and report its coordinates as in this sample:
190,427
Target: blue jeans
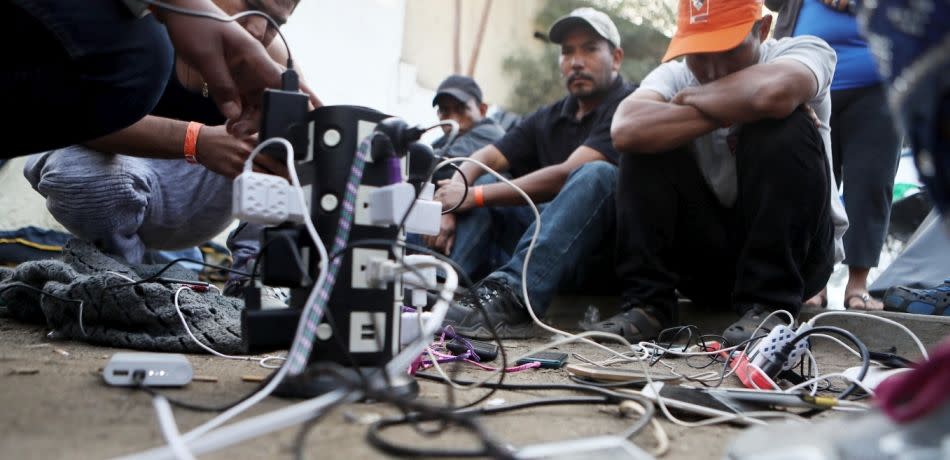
574,247
77,70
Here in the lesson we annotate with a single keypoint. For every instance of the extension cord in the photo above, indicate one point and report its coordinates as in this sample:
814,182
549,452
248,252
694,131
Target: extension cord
767,349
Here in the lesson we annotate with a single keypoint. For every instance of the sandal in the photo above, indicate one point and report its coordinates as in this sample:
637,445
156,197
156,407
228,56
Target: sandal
636,324
865,298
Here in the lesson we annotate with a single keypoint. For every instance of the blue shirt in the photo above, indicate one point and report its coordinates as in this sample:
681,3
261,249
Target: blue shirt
856,67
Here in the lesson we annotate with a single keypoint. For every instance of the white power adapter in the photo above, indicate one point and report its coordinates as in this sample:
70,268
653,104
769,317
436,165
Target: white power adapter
148,369
266,199
388,204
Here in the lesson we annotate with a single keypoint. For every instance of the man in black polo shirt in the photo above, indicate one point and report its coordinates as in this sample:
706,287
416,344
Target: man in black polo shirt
562,156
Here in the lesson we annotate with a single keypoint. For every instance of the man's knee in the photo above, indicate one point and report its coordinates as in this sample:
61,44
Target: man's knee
86,190
597,175
795,131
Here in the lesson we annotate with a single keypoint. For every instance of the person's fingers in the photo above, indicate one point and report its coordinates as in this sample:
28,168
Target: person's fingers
315,102
444,182
248,124
272,165
221,86
450,242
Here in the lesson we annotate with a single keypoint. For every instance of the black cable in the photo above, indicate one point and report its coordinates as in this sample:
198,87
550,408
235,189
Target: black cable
222,18
158,274
19,284
464,192
416,411
138,380
605,397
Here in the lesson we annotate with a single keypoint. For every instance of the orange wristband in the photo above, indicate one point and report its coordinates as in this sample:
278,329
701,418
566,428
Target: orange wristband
479,193
191,142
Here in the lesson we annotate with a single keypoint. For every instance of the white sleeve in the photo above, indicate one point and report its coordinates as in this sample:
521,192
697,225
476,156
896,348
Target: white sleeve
667,79
811,51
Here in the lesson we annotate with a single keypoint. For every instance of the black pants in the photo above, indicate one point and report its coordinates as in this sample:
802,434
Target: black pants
865,148
773,248
76,70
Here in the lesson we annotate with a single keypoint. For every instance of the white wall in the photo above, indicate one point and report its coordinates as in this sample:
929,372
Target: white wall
349,51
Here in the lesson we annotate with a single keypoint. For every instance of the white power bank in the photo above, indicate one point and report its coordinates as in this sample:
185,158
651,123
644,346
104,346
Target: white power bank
148,369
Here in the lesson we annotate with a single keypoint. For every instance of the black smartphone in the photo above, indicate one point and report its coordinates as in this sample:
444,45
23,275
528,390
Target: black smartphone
548,359
486,351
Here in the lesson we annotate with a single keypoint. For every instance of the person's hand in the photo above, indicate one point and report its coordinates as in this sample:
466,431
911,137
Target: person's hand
236,66
840,5
225,154
445,240
450,194
811,114
681,98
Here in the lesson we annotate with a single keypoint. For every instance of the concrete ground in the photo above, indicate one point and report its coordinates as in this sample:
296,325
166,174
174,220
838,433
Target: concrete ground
54,404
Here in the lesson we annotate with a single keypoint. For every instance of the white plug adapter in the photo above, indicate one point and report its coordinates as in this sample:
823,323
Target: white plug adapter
265,199
148,369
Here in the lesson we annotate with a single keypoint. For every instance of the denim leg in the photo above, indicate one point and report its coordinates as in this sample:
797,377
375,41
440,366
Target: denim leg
485,237
244,242
574,225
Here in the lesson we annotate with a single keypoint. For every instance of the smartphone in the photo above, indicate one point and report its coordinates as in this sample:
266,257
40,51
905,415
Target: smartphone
695,401
486,351
616,374
548,359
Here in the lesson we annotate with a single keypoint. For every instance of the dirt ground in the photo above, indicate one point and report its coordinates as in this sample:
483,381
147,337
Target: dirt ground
55,405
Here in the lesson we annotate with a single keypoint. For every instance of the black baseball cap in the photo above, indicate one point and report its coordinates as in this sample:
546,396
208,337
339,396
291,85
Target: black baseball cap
460,87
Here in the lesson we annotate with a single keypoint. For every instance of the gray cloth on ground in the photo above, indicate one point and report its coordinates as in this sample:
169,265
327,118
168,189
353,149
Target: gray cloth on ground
142,316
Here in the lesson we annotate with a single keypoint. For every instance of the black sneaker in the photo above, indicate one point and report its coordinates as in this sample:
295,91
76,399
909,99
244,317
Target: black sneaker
505,312
741,331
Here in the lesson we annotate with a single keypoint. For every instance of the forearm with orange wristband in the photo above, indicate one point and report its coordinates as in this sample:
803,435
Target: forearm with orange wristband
190,147
478,195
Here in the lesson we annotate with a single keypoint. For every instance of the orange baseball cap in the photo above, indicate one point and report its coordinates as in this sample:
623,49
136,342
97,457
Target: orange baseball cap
710,26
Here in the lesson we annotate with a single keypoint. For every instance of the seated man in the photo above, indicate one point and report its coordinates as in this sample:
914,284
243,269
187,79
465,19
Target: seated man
132,191
560,155
726,191
460,99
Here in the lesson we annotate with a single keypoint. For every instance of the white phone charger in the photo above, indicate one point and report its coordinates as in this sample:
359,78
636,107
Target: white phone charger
148,369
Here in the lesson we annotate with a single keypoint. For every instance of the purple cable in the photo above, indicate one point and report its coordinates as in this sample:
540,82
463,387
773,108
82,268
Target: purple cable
395,170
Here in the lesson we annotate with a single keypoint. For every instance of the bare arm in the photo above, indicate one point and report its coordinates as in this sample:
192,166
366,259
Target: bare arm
490,156
542,185
150,137
758,92
646,123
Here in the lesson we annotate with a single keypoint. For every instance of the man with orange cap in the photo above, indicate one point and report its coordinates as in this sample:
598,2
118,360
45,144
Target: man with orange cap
726,193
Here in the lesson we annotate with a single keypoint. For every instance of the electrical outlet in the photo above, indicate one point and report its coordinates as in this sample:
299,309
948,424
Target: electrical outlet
361,262
367,331
364,195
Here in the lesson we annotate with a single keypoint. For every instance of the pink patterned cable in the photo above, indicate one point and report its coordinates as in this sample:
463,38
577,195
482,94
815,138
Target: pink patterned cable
300,353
